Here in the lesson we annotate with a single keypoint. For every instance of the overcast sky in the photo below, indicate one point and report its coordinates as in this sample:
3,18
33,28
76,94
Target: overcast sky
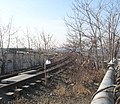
47,15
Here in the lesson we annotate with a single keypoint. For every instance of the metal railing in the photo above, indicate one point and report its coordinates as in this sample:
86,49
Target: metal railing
105,92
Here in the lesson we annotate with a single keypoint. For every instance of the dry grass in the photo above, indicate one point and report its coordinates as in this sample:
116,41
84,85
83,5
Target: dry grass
60,90
76,90
84,74
79,89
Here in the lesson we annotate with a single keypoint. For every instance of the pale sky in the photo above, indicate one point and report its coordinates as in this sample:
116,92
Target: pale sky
46,15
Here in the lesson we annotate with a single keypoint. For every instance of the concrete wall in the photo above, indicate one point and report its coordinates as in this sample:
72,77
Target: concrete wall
19,61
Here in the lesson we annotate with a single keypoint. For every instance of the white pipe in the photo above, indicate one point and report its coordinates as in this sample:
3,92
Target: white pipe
103,95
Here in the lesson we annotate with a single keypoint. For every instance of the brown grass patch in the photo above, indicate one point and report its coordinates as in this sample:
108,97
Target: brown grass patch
79,89
60,90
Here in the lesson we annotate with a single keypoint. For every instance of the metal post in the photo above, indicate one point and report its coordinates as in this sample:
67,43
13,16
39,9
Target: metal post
45,71
104,94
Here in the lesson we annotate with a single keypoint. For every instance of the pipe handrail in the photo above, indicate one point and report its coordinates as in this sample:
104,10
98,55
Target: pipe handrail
104,94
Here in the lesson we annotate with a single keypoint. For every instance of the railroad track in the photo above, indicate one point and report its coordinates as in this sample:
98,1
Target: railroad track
12,85
37,67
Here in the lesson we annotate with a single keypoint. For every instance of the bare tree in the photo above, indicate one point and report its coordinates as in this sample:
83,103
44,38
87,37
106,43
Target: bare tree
96,25
46,39
6,32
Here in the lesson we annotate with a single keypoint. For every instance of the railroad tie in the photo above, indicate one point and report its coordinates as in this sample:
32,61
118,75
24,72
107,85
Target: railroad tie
18,92
32,84
25,86
38,81
0,99
10,95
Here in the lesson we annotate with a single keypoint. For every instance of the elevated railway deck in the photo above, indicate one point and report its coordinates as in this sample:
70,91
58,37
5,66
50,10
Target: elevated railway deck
29,78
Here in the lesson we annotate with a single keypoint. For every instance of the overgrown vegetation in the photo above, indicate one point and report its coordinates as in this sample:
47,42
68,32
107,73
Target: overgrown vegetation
93,37
93,31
